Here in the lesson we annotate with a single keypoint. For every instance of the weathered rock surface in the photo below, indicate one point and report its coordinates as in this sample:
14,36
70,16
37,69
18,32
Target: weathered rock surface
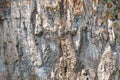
59,40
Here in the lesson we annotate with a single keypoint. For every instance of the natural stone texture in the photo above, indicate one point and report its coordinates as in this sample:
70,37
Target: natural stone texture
59,39
108,66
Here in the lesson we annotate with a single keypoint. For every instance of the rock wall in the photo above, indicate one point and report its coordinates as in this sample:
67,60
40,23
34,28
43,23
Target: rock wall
59,39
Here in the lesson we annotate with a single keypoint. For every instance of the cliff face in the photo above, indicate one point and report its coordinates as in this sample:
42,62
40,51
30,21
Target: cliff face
59,39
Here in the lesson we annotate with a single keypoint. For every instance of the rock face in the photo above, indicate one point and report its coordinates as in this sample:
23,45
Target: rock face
108,66
59,39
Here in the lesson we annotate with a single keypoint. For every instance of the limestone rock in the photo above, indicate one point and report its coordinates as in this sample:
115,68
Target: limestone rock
59,40
108,67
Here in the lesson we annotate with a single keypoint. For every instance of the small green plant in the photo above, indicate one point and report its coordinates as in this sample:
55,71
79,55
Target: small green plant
110,0
114,11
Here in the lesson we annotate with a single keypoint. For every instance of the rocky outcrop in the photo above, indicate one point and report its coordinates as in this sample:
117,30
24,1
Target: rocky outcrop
108,66
59,39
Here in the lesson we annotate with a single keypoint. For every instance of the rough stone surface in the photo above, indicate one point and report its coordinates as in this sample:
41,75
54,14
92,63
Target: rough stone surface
59,40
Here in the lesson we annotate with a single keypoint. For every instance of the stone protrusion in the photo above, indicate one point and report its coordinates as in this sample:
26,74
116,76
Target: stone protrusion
107,66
